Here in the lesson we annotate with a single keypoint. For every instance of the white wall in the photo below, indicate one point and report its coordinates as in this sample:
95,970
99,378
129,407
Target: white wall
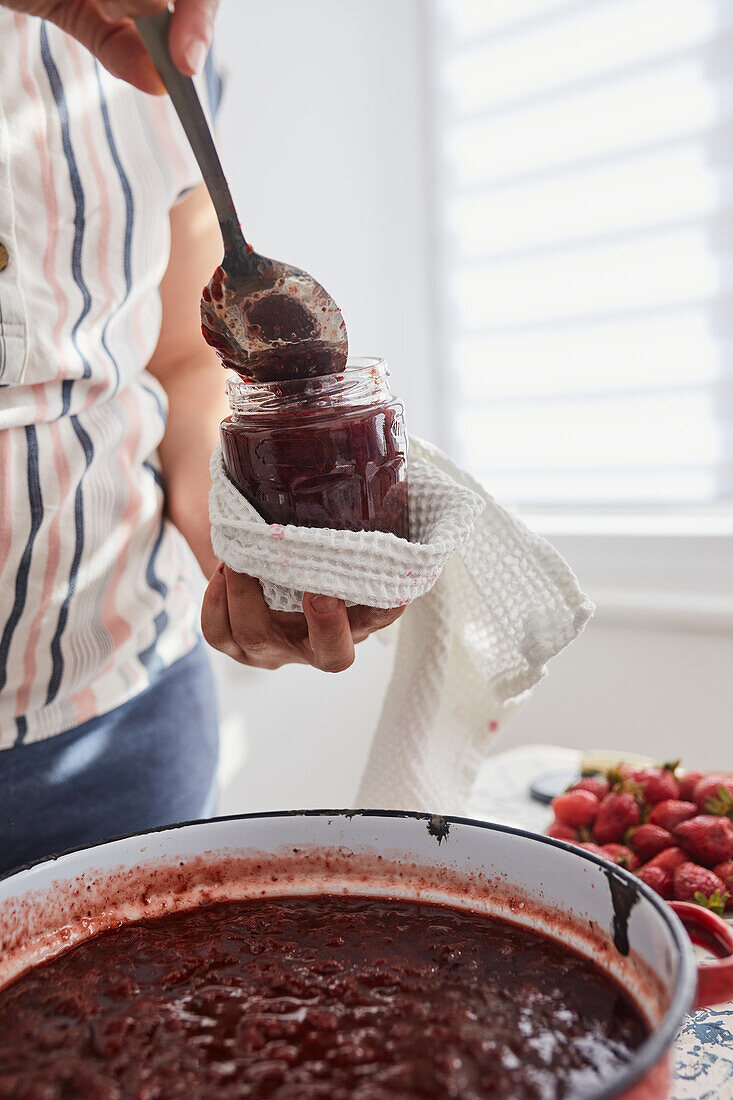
652,672
322,132
648,689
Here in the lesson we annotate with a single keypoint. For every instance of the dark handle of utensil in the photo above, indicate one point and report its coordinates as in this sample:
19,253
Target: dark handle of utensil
549,785
182,91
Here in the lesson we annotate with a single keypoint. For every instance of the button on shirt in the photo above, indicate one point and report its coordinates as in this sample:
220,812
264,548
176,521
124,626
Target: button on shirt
97,588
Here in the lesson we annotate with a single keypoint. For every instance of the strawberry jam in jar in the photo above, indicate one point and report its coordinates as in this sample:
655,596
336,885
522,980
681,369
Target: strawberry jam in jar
328,451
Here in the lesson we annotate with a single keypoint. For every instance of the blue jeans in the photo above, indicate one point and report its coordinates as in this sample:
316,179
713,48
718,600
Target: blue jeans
150,762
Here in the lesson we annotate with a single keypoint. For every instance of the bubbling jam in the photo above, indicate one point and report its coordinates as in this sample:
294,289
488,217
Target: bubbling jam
327,452
297,998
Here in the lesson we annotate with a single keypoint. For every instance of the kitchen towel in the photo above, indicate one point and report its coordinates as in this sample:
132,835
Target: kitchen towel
488,604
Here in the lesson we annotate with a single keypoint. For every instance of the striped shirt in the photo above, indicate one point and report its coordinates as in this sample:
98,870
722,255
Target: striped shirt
97,589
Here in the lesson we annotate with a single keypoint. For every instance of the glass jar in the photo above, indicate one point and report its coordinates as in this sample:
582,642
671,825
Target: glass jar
329,451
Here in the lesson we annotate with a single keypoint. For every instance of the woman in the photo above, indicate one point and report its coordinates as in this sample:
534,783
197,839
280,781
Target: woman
110,403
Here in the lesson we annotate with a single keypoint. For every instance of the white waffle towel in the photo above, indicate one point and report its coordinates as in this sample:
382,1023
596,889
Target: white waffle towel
496,602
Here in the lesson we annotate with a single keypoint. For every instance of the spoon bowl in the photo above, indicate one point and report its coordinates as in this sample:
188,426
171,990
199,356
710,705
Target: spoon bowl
267,320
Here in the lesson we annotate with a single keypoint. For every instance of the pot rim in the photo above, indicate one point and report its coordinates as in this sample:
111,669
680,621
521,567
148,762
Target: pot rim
649,1054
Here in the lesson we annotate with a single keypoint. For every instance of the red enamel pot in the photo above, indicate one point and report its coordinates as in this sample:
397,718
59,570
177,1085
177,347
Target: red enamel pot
564,892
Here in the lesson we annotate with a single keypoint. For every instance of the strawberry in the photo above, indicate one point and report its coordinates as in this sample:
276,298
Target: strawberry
698,884
594,848
623,856
596,784
687,783
659,880
724,871
669,860
576,808
617,812
622,778
656,784
561,831
708,839
669,813
714,794
626,771
649,840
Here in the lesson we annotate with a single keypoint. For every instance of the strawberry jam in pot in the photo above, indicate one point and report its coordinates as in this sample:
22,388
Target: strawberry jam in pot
329,451
316,998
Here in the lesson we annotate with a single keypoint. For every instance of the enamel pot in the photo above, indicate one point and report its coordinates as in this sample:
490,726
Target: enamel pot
601,911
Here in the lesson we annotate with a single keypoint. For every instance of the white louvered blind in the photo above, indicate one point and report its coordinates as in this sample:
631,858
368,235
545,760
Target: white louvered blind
585,157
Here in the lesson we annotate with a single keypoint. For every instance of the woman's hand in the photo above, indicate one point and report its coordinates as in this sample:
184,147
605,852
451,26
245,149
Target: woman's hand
236,620
105,27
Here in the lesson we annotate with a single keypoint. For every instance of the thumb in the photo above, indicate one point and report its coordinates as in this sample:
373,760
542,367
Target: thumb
192,28
329,632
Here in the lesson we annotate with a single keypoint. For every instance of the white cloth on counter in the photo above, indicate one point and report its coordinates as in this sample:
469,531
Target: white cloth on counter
489,603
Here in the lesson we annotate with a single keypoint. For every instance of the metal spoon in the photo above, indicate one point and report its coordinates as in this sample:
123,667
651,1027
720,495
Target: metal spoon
266,319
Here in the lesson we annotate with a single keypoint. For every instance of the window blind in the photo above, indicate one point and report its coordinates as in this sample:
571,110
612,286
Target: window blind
585,186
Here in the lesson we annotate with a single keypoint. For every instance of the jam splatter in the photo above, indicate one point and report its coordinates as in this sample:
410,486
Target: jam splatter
439,828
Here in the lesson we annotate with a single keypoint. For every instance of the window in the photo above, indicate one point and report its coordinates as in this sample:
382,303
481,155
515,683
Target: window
584,154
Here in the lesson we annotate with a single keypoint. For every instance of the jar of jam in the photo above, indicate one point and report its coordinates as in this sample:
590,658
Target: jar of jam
328,451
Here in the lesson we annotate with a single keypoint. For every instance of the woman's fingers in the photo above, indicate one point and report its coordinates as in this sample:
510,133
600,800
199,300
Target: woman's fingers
120,49
236,620
105,28
116,43
329,632
114,10
192,28
215,624
252,626
366,620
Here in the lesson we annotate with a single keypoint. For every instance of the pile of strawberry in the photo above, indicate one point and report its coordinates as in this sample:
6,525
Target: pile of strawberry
674,832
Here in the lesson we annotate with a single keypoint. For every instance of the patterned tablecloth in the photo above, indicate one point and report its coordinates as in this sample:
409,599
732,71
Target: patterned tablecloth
704,1047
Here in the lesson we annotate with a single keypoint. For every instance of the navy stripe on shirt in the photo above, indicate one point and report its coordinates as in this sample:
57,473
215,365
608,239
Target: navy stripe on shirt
2,343
149,656
77,190
56,655
129,217
214,84
21,578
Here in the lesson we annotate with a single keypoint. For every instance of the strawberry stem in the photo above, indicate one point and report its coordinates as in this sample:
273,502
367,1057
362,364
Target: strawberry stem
722,805
715,902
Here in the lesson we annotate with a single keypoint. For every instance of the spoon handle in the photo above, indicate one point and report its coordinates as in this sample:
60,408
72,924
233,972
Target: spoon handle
182,91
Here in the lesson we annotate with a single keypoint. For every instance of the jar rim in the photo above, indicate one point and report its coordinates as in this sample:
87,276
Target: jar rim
358,367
